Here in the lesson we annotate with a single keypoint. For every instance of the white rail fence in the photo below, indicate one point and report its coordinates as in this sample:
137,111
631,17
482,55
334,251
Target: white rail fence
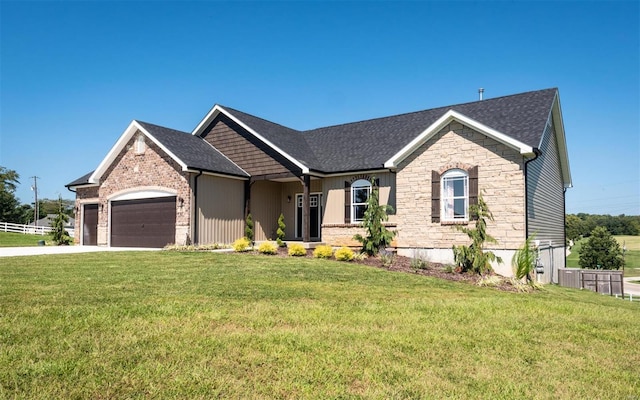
29,229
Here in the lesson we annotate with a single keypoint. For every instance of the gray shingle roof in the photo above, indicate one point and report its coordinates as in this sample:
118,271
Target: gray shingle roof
360,145
83,180
193,151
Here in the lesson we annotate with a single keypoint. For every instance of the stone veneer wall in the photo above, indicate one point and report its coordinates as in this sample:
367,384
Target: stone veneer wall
500,180
338,235
130,172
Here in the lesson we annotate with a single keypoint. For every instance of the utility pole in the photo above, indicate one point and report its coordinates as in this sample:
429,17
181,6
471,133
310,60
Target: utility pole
35,192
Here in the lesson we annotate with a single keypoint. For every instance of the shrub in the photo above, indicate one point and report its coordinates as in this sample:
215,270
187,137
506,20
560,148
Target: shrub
419,263
473,258
360,256
59,235
267,248
297,250
490,281
378,236
323,251
241,244
248,228
280,232
387,258
344,254
601,251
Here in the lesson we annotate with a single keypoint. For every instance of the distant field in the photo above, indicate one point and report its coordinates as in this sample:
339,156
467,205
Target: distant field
632,256
9,239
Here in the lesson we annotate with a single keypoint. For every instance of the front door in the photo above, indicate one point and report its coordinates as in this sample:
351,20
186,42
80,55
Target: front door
315,215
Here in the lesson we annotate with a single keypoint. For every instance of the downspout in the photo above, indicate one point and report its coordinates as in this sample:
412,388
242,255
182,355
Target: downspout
537,152
195,208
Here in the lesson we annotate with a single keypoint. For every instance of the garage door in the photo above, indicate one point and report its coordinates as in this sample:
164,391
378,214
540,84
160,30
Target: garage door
143,222
90,225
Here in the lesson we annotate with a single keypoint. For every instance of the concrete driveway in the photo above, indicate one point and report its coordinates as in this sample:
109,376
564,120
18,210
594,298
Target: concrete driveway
41,250
632,288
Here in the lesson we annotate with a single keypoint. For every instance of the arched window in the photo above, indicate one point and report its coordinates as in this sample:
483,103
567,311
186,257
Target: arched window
360,192
455,195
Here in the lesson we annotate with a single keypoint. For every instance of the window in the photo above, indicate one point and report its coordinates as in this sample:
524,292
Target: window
455,195
360,191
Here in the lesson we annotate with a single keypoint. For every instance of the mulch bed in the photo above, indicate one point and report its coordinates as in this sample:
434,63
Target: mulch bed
403,264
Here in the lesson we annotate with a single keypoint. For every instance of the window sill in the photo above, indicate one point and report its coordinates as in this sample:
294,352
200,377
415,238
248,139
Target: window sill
460,222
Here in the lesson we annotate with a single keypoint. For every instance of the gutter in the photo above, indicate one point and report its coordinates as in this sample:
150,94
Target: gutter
537,153
195,208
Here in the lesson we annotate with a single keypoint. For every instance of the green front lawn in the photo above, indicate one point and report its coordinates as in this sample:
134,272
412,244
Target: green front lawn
203,325
10,239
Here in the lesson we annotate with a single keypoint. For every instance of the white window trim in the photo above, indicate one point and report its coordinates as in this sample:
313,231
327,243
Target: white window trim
359,184
450,175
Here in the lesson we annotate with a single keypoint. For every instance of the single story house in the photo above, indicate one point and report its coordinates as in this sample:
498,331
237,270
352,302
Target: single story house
158,185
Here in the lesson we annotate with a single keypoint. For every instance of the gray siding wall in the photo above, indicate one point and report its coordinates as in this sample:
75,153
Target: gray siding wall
545,197
220,209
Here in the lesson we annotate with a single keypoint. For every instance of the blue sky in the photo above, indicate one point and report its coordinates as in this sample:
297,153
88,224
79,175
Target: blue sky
74,74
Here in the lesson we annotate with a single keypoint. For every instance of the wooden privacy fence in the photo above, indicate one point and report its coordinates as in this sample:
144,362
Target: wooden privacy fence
601,281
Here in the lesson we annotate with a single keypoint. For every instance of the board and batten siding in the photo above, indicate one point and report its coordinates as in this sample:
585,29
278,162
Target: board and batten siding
220,209
545,201
265,209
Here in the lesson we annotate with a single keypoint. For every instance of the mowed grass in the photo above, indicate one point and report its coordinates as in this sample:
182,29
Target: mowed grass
204,325
632,255
11,239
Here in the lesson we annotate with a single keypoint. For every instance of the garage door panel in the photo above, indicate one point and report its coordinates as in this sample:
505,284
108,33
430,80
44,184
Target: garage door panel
143,222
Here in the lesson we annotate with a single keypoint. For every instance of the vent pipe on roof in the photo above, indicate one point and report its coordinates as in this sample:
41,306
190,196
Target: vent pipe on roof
480,92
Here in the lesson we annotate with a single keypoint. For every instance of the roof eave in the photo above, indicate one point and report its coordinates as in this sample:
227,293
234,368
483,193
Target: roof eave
446,119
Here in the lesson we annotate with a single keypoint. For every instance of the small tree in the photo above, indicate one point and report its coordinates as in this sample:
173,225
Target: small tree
248,228
378,236
280,234
524,260
473,258
601,251
59,234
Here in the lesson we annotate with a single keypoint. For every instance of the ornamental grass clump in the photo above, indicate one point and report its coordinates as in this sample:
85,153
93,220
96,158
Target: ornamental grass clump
297,250
344,254
242,244
267,248
323,251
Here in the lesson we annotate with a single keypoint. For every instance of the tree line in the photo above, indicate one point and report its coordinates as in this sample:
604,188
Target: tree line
581,224
11,210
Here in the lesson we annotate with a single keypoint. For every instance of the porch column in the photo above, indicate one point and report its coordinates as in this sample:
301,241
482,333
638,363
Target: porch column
306,215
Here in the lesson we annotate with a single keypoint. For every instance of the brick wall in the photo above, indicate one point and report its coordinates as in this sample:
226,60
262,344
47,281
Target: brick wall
151,170
500,179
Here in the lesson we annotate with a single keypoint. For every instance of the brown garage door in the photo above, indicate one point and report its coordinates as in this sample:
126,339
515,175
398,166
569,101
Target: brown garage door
143,222
90,225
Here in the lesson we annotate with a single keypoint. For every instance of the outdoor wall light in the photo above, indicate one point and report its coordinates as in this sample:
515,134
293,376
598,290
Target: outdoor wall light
180,201
288,199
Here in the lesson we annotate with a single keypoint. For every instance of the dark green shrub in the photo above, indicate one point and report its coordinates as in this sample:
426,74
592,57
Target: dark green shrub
473,258
248,228
280,234
601,251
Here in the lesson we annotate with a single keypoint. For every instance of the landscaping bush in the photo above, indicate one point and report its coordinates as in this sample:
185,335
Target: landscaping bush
601,251
280,233
387,258
344,254
377,235
267,248
241,244
323,251
297,250
248,228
